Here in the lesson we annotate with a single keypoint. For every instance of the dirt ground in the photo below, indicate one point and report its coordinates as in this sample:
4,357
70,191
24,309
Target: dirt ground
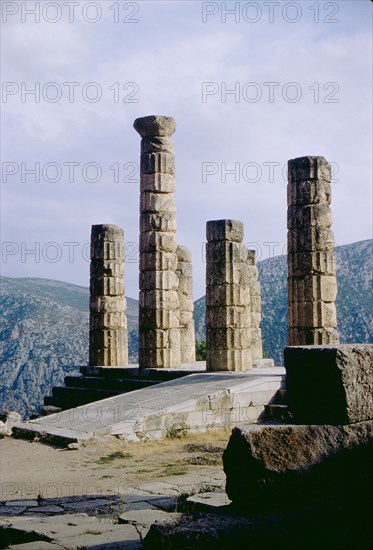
29,470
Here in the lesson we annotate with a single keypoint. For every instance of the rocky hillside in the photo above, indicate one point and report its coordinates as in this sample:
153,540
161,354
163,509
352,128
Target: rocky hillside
43,337
44,330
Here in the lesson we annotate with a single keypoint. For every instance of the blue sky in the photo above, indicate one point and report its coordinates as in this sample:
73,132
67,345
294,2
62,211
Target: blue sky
301,77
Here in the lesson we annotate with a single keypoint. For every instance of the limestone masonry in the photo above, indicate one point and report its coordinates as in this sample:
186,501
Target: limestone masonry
312,285
185,291
159,313
108,340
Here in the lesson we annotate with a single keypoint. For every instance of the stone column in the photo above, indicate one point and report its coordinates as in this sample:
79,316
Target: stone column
159,315
228,315
187,337
255,307
108,340
312,285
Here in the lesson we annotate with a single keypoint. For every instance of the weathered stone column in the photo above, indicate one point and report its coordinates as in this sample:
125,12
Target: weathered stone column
108,340
228,315
187,337
255,307
312,285
159,315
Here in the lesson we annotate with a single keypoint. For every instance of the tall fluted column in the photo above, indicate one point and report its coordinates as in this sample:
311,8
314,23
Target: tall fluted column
228,314
108,340
159,315
187,337
312,285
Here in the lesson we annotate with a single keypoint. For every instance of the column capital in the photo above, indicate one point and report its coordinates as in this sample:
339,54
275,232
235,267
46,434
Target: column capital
155,125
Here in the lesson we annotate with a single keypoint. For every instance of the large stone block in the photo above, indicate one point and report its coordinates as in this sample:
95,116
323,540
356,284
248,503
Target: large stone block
114,320
157,144
235,317
106,286
107,250
315,215
312,287
184,255
106,232
155,125
162,280
326,336
229,360
158,318
309,192
158,261
157,202
225,230
288,466
225,252
228,294
103,304
330,385
153,358
157,241
159,299
231,273
309,168
158,221
228,338
157,183
106,268
305,263
152,163
312,314
312,239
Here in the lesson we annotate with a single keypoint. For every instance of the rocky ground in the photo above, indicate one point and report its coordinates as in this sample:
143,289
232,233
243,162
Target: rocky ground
105,494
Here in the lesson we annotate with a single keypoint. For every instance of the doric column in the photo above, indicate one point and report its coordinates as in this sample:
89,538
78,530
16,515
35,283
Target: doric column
108,340
255,307
312,285
187,337
228,315
159,315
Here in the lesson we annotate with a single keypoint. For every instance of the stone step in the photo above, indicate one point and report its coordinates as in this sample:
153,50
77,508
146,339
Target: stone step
280,397
276,411
161,375
101,383
90,394
110,372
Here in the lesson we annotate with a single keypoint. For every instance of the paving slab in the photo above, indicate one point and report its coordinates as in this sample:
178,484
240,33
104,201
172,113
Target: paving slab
197,400
210,499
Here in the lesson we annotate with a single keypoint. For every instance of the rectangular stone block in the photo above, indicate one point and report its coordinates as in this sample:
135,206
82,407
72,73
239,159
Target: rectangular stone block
225,251
162,280
157,162
228,317
116,338
312,239
158,261
312,287
309,192
157,202
103,304
186,303
228,294
159,299
106,286
158,241
228,338
304,263
186,318
309,168
116,320
154,358
315,215
157,183
158,318
109,357
158,221
229,360
225,230
106,268
251,257
313,337
107,250
106,232
330,385
184,270
159,338
231,273
316,314
157,144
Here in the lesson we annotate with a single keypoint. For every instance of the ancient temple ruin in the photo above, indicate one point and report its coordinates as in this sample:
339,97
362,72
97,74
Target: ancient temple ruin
108,339
312,285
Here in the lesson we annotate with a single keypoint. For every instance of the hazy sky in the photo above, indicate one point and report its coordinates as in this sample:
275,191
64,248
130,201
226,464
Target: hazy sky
250,84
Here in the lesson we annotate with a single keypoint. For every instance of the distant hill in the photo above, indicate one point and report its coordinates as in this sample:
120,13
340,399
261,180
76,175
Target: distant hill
44,330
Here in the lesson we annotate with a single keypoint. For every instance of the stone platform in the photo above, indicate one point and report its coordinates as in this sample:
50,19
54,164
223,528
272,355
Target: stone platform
192,402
